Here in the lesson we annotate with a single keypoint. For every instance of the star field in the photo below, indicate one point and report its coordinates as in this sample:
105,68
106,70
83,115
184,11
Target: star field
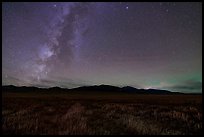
67,44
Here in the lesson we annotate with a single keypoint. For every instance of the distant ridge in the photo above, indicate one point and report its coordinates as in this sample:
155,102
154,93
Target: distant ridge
98,88
84,89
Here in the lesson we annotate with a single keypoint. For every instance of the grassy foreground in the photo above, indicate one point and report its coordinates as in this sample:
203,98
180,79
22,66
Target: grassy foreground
101,114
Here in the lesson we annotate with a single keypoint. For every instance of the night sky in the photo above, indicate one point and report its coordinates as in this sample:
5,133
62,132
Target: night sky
144,45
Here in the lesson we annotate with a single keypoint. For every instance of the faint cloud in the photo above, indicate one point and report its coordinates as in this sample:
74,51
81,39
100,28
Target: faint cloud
186,86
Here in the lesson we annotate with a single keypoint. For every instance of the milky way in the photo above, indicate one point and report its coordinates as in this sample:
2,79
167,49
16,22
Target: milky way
145,45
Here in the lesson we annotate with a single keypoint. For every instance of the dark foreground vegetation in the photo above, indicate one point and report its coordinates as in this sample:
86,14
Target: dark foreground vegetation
79,113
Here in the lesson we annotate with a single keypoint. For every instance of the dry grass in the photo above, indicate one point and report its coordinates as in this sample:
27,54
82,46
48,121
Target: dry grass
66,115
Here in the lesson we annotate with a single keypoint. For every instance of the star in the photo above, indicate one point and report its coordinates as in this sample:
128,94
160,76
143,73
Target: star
127,7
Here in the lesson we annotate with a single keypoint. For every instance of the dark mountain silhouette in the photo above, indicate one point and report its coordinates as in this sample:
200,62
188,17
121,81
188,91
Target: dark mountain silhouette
20,89
84,89
96,88
147,91
57,89
131,89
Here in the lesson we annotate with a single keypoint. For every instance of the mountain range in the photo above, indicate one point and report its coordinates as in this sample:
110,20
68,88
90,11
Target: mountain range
95,89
